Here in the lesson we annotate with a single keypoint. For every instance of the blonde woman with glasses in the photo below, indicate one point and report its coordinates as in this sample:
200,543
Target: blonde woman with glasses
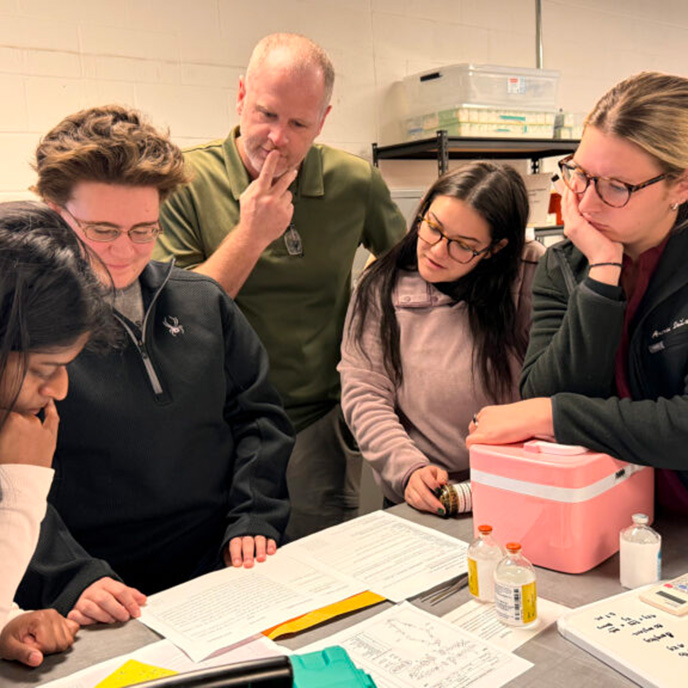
438,328
608,356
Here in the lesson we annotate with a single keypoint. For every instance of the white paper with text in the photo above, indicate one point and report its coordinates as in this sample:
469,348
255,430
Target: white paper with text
391,556
405,647
221,608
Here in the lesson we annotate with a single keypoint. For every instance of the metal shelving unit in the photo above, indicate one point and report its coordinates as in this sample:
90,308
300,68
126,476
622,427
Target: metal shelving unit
444,148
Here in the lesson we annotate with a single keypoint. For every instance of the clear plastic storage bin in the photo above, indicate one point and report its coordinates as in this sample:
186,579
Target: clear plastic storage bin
486,85
483,122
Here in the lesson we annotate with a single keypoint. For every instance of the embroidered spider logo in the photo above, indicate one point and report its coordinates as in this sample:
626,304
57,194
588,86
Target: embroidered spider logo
172,324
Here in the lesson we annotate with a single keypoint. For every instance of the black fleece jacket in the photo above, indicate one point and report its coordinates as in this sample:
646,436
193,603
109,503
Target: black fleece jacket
577,325
169,446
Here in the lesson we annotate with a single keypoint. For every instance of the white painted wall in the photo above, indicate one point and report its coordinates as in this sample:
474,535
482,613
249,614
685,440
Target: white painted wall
179,60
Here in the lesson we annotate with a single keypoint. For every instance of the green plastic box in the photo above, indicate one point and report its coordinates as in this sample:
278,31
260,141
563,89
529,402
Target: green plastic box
331,667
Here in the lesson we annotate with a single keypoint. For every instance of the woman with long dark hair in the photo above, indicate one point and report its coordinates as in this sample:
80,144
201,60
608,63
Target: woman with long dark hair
437,327
50,303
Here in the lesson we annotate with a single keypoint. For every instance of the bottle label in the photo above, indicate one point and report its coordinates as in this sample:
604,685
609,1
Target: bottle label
640,563
516,604
473,577
529,612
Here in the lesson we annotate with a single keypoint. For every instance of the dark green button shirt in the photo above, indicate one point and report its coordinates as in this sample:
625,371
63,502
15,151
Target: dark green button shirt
296,304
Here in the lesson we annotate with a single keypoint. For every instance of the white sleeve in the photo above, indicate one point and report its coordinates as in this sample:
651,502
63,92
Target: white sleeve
23,494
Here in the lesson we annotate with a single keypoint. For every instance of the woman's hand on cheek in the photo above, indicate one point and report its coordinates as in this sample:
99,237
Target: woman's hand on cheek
28,440
596,247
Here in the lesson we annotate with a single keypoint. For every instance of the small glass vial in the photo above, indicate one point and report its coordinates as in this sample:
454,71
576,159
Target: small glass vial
515,589
640,553
483,556
456,498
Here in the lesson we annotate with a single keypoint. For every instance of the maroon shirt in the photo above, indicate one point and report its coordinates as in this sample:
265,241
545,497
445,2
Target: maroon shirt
635,278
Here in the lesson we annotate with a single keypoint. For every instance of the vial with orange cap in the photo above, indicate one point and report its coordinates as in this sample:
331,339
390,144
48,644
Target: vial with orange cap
515,589
482,557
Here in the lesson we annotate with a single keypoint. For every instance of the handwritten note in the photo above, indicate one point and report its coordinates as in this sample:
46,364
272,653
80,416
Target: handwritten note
405,647
646,644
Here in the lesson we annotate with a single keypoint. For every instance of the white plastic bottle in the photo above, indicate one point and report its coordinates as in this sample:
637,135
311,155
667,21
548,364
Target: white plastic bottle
483,556
515,589
640,553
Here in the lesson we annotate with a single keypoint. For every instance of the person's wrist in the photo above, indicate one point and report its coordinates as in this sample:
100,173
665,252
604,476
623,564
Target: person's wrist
250,238
607,272
543,413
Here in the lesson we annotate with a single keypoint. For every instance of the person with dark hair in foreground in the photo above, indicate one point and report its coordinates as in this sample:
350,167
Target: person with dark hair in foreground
50,304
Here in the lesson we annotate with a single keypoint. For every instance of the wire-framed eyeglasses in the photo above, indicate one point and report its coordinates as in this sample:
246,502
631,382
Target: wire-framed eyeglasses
613,192
431,233
106,233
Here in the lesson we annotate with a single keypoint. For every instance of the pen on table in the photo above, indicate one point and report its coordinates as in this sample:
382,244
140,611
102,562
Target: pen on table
441,592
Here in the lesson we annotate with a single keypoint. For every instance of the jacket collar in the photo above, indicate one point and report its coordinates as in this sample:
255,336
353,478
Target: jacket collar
671,272
309,182
412,291
154,275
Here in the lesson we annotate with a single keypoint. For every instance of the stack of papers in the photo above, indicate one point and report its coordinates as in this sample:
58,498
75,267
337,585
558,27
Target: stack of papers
401,647
388,555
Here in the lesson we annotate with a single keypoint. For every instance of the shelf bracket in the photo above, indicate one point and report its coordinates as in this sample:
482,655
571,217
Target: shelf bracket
442,152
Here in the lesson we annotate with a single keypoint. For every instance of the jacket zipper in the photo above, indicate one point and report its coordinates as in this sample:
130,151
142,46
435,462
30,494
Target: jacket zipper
140,344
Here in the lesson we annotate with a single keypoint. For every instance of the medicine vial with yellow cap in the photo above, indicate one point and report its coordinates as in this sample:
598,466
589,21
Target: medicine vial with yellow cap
483,556
515,589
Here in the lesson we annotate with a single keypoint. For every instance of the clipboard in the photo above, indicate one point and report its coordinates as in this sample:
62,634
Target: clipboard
644,643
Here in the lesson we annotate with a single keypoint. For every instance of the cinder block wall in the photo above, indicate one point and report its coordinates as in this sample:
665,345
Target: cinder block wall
179,60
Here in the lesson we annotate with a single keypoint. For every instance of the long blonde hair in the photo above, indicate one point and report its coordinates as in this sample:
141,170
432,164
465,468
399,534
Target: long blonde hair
649,109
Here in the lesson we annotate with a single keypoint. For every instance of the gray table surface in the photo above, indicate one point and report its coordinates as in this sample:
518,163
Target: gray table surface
557,662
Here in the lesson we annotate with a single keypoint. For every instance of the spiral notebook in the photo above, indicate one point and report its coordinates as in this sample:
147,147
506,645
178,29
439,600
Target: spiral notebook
646,644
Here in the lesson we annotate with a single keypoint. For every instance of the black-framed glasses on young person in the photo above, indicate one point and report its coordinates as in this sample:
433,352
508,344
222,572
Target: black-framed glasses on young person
431,233
613,192
105,232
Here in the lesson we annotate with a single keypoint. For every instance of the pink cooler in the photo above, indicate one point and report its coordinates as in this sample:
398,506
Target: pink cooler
565,508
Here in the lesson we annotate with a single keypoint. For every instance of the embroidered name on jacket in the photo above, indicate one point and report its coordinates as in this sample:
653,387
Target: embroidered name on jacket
172,325
675,326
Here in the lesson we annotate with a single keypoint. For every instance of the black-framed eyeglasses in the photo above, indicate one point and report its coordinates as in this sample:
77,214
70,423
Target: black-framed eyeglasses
613,192
106,233
431,233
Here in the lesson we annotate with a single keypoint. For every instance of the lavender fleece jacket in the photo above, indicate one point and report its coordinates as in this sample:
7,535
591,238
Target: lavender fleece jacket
425,420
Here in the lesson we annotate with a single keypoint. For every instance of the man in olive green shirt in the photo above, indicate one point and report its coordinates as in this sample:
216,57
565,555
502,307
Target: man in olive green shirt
277,220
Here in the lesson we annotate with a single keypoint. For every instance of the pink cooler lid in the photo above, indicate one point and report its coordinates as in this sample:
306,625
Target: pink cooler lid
542,466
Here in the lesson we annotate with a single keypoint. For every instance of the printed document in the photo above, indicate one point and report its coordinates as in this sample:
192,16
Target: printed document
481,620
405,647
391,556
221,608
